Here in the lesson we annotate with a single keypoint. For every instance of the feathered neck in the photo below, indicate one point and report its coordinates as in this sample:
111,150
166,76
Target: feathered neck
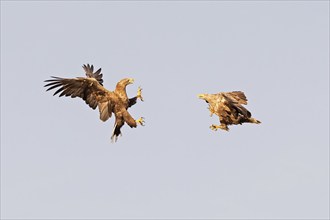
120,88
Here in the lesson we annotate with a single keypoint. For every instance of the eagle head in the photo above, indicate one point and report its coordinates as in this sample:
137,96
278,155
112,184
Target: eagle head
121,85
124,82
127,81
204,96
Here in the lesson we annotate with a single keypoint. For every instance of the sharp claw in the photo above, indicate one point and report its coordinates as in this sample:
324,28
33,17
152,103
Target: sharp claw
139,93
141,121
214,127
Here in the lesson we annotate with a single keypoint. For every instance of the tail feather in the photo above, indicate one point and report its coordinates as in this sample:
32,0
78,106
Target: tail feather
253,120
115,133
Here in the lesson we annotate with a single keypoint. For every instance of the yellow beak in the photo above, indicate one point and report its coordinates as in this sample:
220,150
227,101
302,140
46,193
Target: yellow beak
201,96
131,80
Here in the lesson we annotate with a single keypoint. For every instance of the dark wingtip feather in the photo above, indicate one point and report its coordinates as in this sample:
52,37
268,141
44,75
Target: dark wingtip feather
53,87
54,78
89,70
51,83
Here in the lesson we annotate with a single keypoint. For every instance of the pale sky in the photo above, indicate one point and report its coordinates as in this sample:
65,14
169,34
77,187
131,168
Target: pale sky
57,160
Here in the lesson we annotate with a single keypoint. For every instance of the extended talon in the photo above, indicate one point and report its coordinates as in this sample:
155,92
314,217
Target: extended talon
222,126
214,127
139,94
140,121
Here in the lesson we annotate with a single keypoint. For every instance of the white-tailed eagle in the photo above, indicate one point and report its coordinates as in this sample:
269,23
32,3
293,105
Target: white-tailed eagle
91,90
229,107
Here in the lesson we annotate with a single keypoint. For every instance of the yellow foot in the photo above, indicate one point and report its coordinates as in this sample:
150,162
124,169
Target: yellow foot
140,121
214,127
139,94
223,127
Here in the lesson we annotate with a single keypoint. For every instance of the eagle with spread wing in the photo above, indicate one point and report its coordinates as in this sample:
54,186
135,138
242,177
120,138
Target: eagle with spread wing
91,90
229,107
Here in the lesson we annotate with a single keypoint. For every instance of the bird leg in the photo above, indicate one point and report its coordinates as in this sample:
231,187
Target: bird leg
221,126
140,121
132,101
139,94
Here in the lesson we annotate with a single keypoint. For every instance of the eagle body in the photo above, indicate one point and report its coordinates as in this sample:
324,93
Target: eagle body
91,90
228,106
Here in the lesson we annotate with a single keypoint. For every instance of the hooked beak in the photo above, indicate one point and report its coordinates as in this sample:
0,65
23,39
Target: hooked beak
201,96
131,80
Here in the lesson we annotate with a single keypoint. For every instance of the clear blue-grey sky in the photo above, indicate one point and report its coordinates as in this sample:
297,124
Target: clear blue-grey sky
57,160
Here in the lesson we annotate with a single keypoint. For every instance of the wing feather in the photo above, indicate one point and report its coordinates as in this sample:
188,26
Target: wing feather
89,89
237,99
105,109
231,102
89,70
238,96
59,90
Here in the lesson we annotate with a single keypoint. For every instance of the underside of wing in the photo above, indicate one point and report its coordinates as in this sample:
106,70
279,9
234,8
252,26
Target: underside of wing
105,109
86,88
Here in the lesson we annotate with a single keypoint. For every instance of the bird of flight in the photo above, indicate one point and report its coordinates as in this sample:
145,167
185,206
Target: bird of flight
229,107
91,90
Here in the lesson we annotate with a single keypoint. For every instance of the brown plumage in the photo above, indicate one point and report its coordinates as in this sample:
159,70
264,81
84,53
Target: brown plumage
229,107
91,90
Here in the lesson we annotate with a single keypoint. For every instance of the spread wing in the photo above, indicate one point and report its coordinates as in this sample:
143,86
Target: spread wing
89,89
89,73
